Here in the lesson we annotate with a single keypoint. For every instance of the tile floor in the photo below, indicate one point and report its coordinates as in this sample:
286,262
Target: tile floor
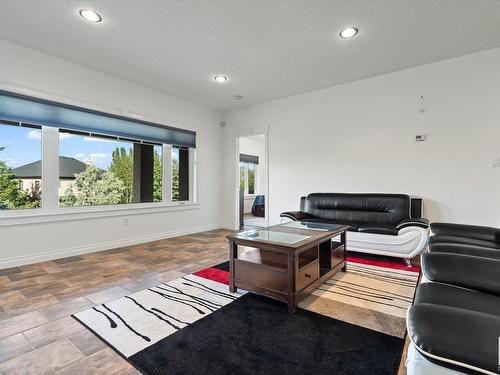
38,334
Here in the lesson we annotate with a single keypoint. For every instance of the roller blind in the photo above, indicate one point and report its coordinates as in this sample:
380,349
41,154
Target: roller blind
25,109
244,158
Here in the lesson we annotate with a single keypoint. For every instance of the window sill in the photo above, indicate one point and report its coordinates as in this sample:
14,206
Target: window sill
35,216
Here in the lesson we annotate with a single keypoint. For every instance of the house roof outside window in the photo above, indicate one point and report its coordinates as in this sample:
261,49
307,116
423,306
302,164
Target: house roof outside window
68,167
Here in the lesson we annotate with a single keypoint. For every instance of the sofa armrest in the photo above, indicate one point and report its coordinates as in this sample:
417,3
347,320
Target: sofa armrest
296,215
466,271
470,231
419,222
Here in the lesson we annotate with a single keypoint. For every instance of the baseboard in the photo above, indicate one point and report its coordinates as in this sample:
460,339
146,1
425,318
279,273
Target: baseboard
228,226
80,250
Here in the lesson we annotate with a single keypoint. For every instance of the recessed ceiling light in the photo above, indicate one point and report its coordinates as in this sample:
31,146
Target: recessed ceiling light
220,78
348,32
90,15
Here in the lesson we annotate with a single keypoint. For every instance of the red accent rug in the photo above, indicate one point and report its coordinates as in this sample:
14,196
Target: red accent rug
375,292
396,264
220,272
214,274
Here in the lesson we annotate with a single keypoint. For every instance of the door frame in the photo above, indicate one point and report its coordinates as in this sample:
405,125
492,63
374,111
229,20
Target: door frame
237,179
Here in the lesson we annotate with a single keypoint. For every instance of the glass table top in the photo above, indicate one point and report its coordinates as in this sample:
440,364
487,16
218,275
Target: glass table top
272,236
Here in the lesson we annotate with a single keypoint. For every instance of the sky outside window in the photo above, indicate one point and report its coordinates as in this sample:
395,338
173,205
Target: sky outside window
94,150
20,145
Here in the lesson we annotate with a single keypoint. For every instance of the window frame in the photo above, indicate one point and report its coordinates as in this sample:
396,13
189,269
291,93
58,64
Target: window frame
51,211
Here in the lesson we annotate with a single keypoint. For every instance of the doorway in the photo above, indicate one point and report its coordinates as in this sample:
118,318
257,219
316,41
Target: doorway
252,183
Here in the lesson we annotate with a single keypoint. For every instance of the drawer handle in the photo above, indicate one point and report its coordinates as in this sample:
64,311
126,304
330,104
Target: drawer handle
307,275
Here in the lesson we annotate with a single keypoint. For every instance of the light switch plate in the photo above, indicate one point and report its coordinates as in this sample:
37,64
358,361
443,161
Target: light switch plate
495,162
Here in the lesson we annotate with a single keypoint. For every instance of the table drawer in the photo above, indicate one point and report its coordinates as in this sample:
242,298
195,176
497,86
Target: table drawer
306,276
261,275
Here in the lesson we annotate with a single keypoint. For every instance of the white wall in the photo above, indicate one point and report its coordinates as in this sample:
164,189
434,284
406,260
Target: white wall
34,73
349,138
359,137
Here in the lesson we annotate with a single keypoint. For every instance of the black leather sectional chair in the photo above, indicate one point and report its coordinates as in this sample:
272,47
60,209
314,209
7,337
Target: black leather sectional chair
455,320
378,223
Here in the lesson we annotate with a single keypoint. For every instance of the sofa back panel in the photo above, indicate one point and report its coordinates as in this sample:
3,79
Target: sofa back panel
359,208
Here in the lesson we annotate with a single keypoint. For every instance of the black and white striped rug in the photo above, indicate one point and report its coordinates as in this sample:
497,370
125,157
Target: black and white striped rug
135,322
193,325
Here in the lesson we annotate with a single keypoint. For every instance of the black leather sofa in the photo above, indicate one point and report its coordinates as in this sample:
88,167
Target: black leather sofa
455,320
370,213
465,239
378,223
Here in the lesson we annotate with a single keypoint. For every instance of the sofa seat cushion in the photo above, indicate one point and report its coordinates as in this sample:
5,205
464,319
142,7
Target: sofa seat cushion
378,229
449,295
353,227
455,338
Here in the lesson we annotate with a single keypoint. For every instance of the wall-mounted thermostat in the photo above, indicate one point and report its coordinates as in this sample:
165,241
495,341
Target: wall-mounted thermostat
420,138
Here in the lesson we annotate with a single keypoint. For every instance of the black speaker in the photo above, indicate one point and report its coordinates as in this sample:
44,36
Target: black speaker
416,207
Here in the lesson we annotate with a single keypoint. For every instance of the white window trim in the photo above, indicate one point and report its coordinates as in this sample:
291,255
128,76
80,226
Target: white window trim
50,169
167,174
193,181
256,180
38,215
245,177
50,210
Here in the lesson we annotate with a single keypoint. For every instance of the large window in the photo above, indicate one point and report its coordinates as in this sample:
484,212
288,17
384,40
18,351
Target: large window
80,157
97,170
20,166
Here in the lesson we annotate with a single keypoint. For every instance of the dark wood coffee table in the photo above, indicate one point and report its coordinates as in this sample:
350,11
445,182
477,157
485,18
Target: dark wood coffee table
288,261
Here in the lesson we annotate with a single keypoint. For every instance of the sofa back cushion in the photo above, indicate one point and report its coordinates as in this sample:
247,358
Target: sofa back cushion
359,208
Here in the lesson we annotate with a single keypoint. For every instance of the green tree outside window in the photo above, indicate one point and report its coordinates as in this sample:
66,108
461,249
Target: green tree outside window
11,196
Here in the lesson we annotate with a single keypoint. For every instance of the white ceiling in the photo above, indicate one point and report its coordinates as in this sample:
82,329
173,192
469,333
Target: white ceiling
269,49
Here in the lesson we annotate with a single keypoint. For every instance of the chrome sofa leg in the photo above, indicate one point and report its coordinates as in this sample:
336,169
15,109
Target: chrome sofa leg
408,262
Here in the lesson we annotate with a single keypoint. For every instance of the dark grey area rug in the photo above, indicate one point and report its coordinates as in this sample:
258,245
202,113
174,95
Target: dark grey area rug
256,335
